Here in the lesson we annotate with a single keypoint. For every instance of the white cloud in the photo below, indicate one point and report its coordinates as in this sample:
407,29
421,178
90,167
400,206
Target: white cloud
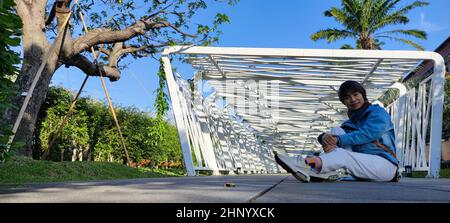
428,26
96,93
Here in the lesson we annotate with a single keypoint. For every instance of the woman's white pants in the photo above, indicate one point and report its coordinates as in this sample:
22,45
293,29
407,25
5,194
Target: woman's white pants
360,165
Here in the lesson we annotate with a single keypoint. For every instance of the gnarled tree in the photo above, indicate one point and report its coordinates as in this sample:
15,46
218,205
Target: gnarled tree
122,27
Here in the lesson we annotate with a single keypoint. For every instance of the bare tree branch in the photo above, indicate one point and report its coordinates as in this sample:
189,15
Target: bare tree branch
52,14
90,68
161,10
134,49
102,50
178,30
102,35
119,50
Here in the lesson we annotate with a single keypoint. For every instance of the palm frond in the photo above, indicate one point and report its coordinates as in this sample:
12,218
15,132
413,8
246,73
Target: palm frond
353,7
366,15
331,35
396,17
405,41
390,5
413,5
347,47
343,17
409,32
392,19
381,9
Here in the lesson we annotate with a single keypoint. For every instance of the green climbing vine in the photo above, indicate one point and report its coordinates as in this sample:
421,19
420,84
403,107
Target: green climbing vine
156,131
161,103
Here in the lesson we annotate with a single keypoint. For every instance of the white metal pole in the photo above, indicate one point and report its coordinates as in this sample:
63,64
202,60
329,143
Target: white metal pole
213,132
399,119
185,113
182,134
202,125
437,85
208,147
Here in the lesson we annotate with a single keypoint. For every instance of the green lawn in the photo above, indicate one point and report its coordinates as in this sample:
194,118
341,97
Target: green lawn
444,173
25,170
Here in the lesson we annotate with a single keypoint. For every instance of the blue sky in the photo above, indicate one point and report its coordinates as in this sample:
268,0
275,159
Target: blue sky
256,23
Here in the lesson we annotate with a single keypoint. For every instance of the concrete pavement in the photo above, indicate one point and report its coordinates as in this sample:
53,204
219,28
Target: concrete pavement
278,188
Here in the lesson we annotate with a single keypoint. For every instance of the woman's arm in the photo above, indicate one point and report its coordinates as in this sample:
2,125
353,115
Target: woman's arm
376,124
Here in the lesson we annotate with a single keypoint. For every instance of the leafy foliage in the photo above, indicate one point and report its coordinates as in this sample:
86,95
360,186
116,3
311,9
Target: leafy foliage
75,132
184,30
92,132
10,25
446,121
364,20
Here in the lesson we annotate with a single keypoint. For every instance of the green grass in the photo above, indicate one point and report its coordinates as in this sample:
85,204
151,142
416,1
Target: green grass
21,170
444,173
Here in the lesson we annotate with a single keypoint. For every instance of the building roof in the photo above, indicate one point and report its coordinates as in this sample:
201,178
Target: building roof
425,68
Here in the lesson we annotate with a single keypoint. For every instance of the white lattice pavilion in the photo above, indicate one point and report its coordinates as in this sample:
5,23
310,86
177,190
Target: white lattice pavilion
282,99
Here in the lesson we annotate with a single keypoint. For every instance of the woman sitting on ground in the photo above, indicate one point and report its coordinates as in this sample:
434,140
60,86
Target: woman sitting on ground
364,145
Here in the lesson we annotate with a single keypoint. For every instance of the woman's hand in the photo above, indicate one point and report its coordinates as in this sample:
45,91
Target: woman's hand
328,148
330,139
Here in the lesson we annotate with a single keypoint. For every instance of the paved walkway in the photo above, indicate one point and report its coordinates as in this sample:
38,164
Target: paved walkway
248,188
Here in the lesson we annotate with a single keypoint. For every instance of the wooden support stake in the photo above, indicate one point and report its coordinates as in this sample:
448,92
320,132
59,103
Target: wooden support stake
107,96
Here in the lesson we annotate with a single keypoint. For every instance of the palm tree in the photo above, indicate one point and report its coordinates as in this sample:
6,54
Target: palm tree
363,20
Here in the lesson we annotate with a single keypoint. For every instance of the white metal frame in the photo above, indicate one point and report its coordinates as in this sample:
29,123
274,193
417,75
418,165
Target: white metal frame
306,102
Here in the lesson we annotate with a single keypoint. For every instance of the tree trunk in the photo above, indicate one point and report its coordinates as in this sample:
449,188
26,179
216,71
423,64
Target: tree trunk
35,45
366,42
27,126
62,155
74,151
87,155
80,153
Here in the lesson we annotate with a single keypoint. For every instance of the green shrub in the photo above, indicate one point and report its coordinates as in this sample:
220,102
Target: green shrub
10,25
92,130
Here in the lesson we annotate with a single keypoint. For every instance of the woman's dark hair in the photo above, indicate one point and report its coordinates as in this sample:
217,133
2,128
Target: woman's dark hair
350,87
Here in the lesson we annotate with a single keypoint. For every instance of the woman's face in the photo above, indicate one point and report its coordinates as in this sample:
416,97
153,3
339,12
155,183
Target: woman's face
354,100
